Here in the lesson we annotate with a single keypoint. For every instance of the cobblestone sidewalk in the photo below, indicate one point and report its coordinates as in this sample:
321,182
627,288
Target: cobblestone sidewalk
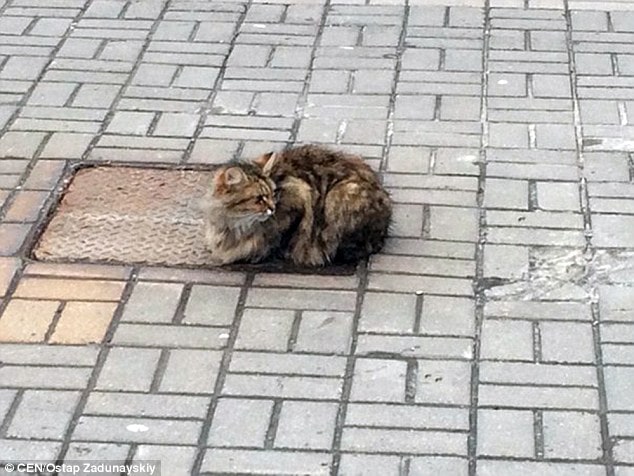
495,335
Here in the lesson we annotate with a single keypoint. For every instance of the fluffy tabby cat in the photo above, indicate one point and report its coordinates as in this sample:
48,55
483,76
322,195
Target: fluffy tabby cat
310,205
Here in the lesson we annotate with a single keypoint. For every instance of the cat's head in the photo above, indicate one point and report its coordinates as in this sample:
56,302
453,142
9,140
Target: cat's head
244,191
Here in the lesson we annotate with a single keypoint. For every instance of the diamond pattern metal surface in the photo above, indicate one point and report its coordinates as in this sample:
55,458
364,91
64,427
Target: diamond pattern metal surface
128,215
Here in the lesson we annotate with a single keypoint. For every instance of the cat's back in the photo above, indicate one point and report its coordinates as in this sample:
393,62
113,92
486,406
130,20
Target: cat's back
318,162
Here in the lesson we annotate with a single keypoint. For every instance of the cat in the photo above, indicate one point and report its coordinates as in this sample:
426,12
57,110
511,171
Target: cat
309,205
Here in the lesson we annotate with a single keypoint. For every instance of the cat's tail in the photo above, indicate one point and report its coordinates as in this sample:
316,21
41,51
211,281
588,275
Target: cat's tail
362,243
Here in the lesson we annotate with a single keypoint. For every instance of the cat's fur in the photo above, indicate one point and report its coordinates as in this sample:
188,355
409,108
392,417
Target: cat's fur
310,205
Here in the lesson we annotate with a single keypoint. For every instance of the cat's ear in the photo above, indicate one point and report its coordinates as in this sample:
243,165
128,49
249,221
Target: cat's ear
266,162
233,176
227,177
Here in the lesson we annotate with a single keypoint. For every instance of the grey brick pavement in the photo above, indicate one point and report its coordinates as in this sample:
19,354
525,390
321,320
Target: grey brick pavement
495,334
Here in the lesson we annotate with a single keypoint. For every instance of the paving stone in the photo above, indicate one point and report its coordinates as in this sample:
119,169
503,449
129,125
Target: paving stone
423,265
300,299
539,374
460,108
79,48
623,451
538,397
504,261
226,461
589,20
97,451
137,430
558,196
68,289
463,60
403,283
573,435
199,311
618,354
444,382
422,465
491,467
613,230
175,460
152,302
505,84
83,322
130,123
420,59
501,193
191,371
414,107
535,237
410,346
383,312
329,81
623,22
212,151
506,433
154,75
405,441
146,405
264,329
538,310
26,321
283,387
51,94
358,464
34,354
45,377
567,342
548,40
43,414
508,135
6,399
12,236
306,425
379,380
128,369
408,159
606,167
508,340
23,68
20,144
96,95
618,384
447,315
26,450
176,124
444,220
306,281
126,50
291,57
277,104
230,428
324,332
249,55
178,336
292,364
364,132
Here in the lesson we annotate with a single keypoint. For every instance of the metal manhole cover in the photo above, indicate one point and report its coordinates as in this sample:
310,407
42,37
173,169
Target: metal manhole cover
135,215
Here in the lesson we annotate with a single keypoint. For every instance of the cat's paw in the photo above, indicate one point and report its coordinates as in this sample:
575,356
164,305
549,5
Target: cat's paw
308,256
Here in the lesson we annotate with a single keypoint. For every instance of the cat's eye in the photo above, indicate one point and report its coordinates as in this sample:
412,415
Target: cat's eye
260,199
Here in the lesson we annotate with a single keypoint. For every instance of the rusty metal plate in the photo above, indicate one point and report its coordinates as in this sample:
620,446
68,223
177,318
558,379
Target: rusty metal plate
136,215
